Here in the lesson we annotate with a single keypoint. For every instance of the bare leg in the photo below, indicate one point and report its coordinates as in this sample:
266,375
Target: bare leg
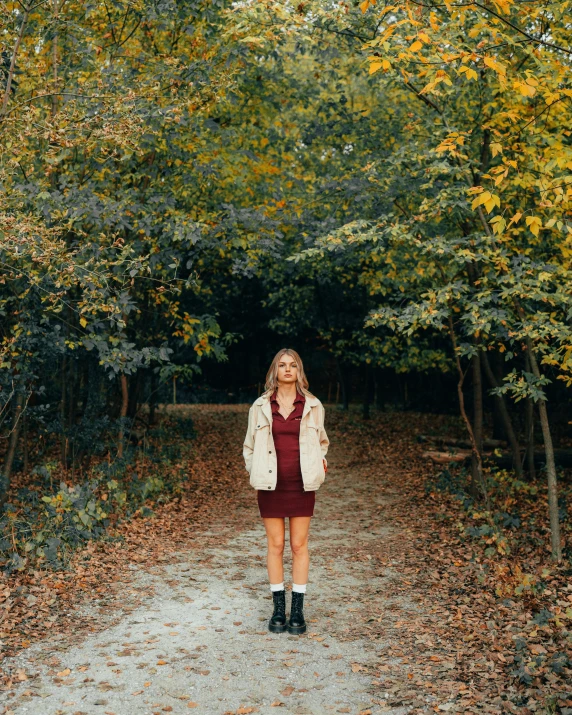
274,558
299,531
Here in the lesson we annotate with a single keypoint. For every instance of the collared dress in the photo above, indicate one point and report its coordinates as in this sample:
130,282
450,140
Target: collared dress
289,497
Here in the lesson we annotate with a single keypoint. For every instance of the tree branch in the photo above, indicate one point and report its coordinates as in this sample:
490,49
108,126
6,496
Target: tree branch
13,64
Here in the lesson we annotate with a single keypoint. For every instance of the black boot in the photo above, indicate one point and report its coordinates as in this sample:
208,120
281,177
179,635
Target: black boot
297,624
277,624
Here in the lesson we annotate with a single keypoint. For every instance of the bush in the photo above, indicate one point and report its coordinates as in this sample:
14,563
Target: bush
46,523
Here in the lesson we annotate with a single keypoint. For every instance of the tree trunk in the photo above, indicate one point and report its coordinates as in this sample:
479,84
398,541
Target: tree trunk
529,435
123,413
556,547
25,445
344,384
529,431
477,419
367,392
12,446
63,400
12,68
379,401
134,398
72,394
55,38
152,399
466,420
504,414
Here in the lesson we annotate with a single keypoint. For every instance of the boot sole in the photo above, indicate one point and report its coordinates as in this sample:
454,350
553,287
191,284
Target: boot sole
297,630
273,628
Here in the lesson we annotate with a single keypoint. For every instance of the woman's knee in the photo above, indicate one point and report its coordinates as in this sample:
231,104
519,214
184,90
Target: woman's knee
299,547
276,546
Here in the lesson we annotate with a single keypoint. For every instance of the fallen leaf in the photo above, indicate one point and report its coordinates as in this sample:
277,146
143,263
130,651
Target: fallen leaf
537,649
356,667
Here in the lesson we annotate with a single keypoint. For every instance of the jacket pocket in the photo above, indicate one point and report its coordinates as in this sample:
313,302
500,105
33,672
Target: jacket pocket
316,464
259,457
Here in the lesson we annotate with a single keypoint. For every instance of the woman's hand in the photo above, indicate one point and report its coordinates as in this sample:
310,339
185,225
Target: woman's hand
325,465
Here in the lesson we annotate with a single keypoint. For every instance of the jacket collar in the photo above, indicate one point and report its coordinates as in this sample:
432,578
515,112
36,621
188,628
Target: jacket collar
264,399
264,403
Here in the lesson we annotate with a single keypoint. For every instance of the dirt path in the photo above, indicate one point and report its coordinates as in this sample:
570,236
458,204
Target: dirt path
192,630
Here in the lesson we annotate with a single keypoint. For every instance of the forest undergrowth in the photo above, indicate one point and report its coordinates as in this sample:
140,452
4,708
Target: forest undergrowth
503,628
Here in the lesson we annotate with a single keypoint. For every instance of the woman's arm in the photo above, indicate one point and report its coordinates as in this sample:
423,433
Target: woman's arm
248,447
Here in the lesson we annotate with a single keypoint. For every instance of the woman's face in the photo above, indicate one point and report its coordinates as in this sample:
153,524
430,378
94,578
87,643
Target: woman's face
287,370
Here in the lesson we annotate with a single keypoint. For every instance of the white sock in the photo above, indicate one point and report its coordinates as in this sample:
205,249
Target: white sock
277,586
299,588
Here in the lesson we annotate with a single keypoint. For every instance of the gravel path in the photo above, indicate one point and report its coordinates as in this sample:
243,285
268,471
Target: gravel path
195,635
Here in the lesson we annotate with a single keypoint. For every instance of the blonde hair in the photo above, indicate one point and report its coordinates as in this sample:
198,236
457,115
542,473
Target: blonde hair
271,383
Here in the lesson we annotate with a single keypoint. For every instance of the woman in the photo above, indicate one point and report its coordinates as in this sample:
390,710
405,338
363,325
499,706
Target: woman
284,453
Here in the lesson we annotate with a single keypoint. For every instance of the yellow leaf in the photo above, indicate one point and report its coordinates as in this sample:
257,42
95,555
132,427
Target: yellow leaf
364,5
498,223
534,223
469,73
492,202
525,89
496,148
375,66
494,65
416,46
83,322
481,199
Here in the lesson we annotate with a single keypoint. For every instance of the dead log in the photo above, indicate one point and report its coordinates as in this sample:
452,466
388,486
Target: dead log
462,443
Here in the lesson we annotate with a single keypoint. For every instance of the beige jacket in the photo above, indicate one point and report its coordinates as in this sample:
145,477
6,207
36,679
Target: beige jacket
260,454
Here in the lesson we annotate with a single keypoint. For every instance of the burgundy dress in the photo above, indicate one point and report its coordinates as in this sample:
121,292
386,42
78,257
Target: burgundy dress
289,497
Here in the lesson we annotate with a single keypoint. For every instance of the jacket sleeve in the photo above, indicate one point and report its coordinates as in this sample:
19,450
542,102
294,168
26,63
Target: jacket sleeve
324,441
248,447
